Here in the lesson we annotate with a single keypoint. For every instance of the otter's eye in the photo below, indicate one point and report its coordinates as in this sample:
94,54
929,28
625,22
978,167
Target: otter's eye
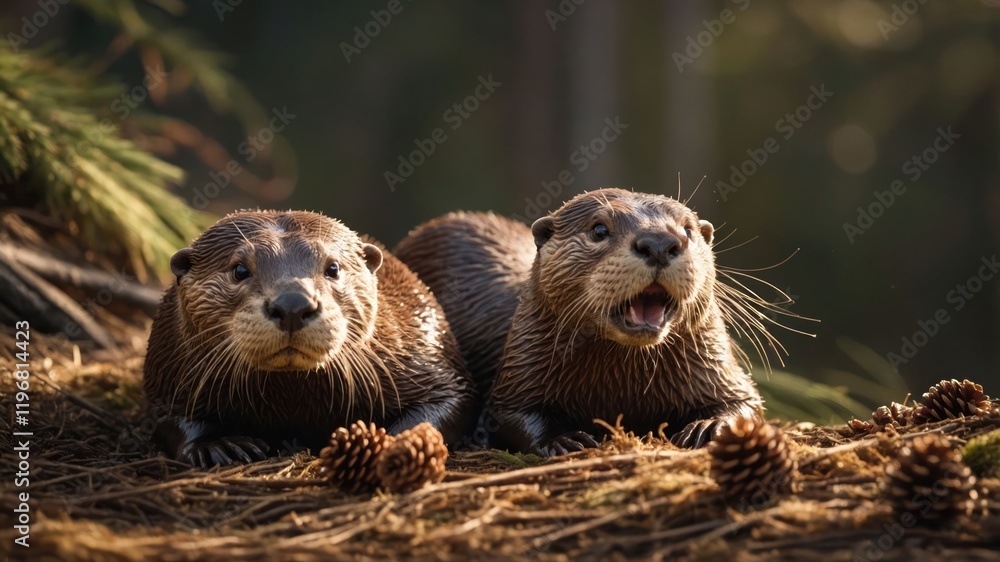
240,272
600,232
333,271
687,230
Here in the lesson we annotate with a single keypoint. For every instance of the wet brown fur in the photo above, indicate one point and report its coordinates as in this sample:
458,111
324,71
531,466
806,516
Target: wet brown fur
564,363
477,264
382,351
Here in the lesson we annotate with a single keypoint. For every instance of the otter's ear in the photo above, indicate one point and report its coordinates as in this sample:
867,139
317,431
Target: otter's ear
707,231
542,230
373,257
180,263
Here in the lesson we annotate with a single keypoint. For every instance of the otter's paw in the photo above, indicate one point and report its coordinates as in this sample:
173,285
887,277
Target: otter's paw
697,434
567,443
223,451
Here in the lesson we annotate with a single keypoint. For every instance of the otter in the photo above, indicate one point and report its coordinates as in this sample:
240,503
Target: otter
618,313
475,264
281,327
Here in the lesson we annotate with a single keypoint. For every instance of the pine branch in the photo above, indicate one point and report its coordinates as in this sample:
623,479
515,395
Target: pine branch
105,188
183,50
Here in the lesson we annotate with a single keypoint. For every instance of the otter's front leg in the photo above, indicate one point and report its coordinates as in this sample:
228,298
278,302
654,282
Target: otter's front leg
206,444
534,432
700,432
453,416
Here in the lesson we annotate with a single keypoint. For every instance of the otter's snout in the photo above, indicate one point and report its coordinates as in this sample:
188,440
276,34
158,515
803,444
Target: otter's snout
657,247
292,311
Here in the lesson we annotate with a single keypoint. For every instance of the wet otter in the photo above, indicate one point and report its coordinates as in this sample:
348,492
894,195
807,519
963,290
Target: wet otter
476,264
283,326
619,313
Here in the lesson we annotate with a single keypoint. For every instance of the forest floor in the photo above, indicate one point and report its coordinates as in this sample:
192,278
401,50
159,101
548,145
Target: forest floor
99,491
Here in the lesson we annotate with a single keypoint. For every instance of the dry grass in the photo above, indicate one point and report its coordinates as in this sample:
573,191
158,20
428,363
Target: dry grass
100,492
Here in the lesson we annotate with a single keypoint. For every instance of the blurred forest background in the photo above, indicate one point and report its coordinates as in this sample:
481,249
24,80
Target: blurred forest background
321,103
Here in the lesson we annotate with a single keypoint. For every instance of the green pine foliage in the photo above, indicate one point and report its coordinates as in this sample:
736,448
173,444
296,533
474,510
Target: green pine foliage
793,397
183,50
836,395
60,136
53,142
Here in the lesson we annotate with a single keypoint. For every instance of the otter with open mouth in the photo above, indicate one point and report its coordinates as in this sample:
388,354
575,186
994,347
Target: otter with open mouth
618,312
283,326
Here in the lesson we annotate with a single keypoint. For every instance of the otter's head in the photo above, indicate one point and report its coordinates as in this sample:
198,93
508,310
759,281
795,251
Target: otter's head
631,267
276,291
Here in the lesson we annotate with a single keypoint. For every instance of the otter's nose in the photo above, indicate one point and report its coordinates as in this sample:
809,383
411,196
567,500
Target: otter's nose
292,311
657,248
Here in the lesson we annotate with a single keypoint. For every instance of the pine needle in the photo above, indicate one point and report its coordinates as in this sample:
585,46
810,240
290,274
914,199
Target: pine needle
85,174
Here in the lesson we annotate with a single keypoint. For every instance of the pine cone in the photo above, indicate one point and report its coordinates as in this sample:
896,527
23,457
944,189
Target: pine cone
751,460
952,399
350,460
929,480
861,427
896,415
883,416
414,458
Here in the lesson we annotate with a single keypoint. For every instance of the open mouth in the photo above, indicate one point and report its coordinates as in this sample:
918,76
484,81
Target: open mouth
649,310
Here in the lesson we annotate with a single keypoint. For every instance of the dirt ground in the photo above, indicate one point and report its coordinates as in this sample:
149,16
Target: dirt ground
99,491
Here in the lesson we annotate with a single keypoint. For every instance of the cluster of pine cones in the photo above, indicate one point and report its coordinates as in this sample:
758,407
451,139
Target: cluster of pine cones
752,461
943,401
928,480
363,457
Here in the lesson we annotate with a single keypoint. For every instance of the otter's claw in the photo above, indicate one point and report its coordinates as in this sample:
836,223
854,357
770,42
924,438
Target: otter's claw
223,451
568,443
697,434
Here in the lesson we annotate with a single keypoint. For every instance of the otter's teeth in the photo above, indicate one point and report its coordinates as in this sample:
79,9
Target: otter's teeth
655,314
649,309
634,317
